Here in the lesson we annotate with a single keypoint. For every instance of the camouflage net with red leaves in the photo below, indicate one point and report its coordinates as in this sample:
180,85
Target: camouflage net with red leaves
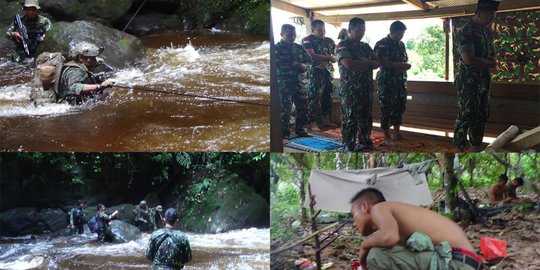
517,45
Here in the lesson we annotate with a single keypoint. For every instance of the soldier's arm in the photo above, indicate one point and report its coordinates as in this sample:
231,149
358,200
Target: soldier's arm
477,62
320,57
187,251
358,65
345,58
150,248
76,83
386,63
10,31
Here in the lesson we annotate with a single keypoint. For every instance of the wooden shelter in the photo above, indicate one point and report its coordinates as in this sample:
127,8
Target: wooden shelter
432,105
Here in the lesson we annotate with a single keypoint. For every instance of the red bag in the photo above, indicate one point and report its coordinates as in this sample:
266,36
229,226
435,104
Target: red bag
492,248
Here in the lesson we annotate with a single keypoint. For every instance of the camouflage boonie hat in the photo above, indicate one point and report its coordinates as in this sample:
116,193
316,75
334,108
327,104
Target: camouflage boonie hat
87,49
31,3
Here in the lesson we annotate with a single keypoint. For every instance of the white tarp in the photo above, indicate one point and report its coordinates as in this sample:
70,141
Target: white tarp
333,190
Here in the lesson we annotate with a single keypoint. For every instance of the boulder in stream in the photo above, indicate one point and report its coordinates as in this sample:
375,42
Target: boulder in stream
227,204
123,232
121,49
102,11
26,220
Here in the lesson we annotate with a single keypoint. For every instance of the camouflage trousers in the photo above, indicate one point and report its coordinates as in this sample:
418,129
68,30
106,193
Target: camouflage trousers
356,104
473,112
401,258
392,96
320,88
292,92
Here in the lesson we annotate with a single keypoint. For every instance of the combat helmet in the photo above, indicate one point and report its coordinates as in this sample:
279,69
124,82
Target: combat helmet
87,49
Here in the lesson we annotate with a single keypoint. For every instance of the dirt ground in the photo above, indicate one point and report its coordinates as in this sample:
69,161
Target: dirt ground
520,230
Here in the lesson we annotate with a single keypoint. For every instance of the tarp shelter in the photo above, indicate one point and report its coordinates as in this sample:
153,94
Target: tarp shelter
333,190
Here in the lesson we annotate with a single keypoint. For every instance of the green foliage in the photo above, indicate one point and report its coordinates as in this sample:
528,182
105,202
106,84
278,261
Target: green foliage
184,159
197,191
285,210
429,46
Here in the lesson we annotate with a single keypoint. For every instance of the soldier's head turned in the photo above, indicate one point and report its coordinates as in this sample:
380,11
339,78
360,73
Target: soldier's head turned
86,53
142,203
317,28
100,207
485,11
159,208
288,33
357,28
31,8
397,30
171,216
518,182
80,203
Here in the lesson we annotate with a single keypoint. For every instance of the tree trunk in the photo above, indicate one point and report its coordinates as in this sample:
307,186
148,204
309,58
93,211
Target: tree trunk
314,227
349,157
303,198
447,174
339,162
403,159
471,171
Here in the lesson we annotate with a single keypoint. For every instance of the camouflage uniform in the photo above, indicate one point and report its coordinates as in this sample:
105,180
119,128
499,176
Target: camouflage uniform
74,77
103,220
157,218
356,92
392,85
291,85
35,29
140,215
77,219
168,249
320,86
473,86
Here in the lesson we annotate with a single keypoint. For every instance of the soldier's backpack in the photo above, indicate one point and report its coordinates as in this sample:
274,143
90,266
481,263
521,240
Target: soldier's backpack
94,224
47,72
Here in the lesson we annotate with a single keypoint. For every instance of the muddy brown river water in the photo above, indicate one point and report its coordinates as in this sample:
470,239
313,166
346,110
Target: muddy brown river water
241,250
223,65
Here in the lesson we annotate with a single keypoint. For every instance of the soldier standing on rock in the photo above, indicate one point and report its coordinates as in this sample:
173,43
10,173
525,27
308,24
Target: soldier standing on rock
168,248
36,26
142,217
157,217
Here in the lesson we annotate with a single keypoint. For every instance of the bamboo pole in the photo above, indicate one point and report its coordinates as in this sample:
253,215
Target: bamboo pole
304,239
314,227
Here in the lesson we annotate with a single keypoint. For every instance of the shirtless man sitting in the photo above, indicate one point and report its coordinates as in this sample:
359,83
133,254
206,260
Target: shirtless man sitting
497,191
391,226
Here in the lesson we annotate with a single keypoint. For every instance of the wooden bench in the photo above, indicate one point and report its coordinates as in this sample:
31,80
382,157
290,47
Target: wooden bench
433,105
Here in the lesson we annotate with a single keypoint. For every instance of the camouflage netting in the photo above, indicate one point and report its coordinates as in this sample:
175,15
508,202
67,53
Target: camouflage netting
517,45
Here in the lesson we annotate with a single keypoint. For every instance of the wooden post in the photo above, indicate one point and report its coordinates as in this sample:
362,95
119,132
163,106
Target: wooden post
446,26
276,143
314,227
309,21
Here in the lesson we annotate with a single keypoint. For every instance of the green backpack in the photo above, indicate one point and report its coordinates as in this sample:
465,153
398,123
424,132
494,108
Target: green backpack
46,80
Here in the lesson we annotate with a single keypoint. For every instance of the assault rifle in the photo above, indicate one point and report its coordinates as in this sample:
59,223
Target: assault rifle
24,34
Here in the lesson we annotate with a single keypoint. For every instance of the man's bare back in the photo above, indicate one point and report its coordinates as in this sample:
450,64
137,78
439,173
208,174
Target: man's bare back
411,218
